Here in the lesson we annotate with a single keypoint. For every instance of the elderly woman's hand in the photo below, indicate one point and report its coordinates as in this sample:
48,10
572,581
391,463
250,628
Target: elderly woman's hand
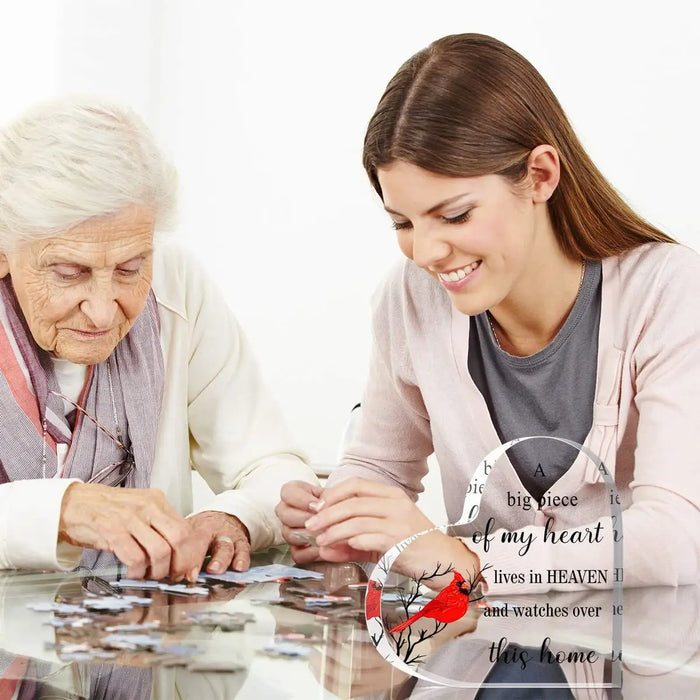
141,529
226,538
137,525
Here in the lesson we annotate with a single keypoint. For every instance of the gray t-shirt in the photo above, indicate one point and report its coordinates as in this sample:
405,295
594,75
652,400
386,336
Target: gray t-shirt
548,393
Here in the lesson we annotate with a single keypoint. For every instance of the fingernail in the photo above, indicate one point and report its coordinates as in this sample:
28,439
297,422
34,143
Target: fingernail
315,506
194,574
311,523
215,567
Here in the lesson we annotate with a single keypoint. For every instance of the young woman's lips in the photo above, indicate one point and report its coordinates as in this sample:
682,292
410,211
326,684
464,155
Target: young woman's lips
457,279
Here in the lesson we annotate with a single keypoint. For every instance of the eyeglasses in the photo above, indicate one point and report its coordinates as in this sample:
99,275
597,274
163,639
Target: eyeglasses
113,474
92,583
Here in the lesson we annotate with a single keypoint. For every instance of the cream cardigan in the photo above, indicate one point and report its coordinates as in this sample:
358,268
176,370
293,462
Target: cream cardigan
420,398
217,415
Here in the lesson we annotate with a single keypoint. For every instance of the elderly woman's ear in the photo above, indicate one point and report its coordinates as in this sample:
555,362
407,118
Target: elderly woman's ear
4,266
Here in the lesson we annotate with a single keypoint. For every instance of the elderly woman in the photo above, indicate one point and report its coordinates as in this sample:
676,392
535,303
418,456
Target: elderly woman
120,365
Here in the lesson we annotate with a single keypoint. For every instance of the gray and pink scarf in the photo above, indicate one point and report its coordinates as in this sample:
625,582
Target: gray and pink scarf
27,378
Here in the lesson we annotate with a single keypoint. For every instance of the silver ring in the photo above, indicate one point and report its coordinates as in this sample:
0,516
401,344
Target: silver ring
222,539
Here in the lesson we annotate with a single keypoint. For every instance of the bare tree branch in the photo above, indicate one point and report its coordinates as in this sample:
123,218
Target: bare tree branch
408,599
423,635
475,580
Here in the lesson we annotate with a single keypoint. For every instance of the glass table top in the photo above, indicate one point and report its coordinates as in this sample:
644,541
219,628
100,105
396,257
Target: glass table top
266,640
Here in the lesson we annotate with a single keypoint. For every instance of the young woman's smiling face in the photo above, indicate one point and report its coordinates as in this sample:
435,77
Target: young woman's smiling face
475,235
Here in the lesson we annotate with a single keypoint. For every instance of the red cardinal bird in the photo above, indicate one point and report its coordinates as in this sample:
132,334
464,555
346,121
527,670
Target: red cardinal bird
447,606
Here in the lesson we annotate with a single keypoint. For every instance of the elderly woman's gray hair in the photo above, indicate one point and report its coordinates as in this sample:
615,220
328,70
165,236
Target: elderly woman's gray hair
67,160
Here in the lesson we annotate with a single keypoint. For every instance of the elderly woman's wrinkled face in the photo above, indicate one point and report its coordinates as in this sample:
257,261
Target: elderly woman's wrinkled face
81,292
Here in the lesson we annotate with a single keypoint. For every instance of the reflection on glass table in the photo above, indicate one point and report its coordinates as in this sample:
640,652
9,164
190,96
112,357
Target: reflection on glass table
276,640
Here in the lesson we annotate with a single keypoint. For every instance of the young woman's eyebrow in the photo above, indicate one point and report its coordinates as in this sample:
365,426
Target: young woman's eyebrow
434,208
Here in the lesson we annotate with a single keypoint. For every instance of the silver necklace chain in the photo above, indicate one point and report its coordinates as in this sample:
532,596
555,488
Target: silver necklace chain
117,430
490,317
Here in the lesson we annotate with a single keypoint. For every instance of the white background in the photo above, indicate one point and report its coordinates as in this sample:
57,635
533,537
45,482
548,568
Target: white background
263,106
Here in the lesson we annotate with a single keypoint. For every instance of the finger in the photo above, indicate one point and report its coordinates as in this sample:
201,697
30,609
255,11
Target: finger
189,565
131,552
189,555
289,536
127,550
353,527
353,507
304,555
229,551
157,550
188,546
173,528
292,516
343,553
241,559
222,551
298,494
356,486
298,537
140,547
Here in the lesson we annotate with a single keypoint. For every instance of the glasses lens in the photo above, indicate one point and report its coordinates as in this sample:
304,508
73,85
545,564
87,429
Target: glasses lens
99,586
125,470
114,474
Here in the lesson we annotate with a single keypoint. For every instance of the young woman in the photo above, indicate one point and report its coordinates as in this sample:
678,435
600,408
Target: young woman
534,301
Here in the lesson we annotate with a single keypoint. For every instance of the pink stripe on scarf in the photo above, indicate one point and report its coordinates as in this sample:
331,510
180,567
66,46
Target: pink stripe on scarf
17,382
12,676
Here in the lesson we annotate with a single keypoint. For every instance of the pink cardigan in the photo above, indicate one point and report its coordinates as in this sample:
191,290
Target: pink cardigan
420,398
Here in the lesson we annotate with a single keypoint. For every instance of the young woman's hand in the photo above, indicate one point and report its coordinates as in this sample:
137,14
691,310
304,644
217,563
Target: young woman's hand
366,515
298,502
362,519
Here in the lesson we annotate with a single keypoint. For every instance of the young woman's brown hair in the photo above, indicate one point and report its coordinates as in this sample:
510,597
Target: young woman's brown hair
469,105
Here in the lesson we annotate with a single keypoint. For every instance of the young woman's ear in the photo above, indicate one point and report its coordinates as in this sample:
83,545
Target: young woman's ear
4,266
543,172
